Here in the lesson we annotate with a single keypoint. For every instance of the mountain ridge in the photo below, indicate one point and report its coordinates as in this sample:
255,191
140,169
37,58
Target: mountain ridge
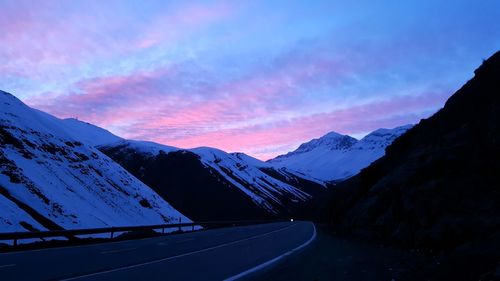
51,180
437,187
228,177
335,157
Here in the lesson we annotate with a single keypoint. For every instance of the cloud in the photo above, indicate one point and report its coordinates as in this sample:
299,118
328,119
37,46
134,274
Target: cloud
303,93
188,99
184,106
43,38
253,77
266,140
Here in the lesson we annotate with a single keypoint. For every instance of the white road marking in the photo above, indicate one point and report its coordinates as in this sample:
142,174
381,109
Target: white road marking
175,257
117,251
162,244
269,262
7,265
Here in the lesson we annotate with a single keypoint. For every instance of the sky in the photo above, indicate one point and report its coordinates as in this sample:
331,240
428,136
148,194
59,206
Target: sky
258,77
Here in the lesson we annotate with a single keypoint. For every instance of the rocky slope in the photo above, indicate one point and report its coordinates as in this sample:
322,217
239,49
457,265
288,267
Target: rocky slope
437,187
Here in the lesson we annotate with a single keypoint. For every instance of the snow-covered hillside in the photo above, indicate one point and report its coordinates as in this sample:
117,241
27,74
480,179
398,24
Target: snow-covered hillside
51,177
230,170
262,188
285,172
88,133
335,157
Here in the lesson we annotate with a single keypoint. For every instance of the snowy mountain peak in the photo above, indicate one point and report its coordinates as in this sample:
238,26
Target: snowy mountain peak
381,138
335,156
332,135
383,132
330,141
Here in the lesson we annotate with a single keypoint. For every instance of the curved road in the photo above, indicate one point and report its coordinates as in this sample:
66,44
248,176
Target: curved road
219,254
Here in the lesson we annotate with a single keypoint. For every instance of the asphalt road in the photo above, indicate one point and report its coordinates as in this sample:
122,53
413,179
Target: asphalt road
219,254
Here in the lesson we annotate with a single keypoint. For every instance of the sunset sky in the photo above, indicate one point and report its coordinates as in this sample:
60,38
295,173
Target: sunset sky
259,77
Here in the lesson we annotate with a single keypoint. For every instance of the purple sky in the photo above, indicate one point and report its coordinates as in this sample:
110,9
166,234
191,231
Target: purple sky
254,76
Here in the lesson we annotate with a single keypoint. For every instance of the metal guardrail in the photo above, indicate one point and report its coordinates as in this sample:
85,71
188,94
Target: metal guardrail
73,233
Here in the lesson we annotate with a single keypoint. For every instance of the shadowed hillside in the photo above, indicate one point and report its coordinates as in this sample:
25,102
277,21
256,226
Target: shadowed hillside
438,186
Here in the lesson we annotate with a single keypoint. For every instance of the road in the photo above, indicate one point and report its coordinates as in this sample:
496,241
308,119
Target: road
218,254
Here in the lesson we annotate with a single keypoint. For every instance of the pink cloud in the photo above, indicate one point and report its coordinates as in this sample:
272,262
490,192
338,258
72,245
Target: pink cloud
39,37
262,112
183,102
356,119
141,109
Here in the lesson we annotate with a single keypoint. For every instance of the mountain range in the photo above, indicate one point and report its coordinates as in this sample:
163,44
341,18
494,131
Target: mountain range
207,183
335,157
66,173
52,179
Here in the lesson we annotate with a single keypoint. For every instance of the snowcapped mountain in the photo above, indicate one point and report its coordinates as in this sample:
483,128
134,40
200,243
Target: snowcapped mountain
207,183
52,176
334,157
331,141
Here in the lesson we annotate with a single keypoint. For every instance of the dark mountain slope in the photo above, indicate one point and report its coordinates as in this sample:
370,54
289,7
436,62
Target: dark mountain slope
438,186
315,206
192,187
209,184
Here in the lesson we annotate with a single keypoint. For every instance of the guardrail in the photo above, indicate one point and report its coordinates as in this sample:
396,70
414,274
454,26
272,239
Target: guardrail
71,234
